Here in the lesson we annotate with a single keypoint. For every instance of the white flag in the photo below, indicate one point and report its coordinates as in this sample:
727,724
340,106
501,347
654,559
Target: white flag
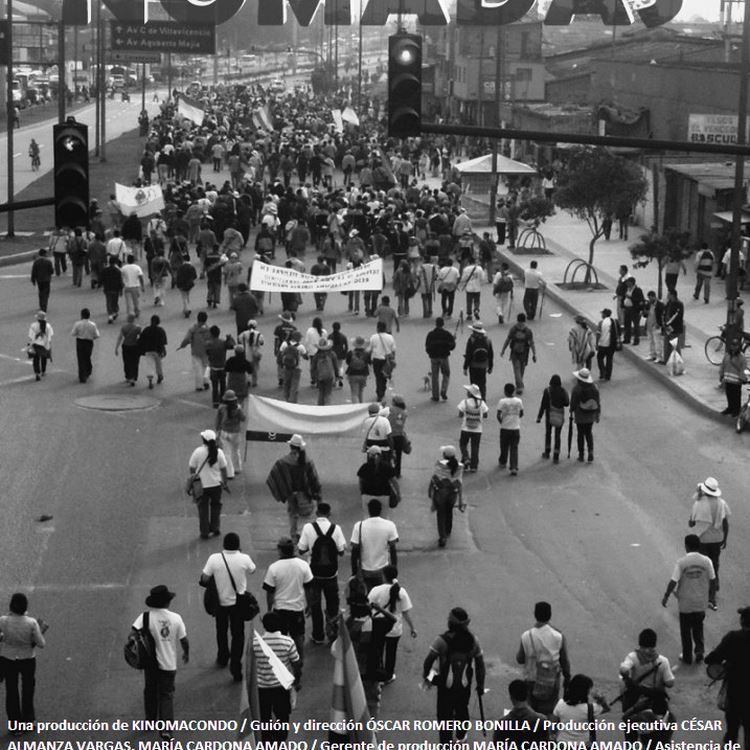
190,111
349,115
144,201
280,672
337,120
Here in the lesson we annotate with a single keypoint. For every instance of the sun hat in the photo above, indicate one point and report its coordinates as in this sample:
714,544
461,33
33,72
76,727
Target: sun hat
41,315
229,396
473,390
359,342
374,450
325,344
710,486
296,441
208,435
583,375
477,326
448,451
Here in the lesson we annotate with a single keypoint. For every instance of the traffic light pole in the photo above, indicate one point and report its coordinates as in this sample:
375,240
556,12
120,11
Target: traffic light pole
10,117
61,83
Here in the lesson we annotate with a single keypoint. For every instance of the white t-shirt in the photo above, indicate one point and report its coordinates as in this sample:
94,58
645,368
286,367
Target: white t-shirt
381,595
373,536
240,564
578,714
210,476
288,577
308,536
376,428
532,279
168,630
709,514
473,412
510,409
692,574
382,344
131,275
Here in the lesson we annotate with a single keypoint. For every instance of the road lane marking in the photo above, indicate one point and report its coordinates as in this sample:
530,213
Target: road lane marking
13,276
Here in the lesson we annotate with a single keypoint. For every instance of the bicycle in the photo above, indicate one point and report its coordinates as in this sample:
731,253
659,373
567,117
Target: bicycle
715,347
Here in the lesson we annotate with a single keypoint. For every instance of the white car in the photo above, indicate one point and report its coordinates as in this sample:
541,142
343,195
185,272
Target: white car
278,85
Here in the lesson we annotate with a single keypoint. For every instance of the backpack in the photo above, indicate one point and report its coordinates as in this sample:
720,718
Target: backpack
324,556
140,650
265,245
520,341
481,355
324,368
456,666
443,491
503,285
547,676
590,404
357,363
289,357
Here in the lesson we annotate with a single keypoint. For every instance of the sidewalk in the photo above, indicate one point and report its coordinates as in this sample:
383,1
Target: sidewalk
568,239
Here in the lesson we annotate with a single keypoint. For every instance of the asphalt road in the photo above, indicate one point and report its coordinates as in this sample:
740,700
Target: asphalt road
596,540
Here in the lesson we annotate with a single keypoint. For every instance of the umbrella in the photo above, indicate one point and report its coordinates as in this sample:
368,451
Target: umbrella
541,304
570,433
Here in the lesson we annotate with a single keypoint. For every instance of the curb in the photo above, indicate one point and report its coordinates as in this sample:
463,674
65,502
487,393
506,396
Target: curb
16,258
631,355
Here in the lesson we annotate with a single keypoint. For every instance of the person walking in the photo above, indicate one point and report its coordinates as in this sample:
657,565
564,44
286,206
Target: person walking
42,271
472,278
58,242
552,408
509,414
447,282
153,344
693,583
294,480
85,333
732,375
709,517
375,476
459,658
472,410
325,542
397,416
389,597
478,357
585,410
210,464
131,350
533,282
159,275
196,337
733,652
312,337
229,420
111,281
166,629
287,584
229,570
184,280
325,365
653,312
340,345
373,543
133,285
544,655
445,490
581,343
674,322
704,270
382,350
20,636
357,369
40,344
274,700
251,340
238,369
520,339
216,353
439,344
290,354
607,343
521,724
502,290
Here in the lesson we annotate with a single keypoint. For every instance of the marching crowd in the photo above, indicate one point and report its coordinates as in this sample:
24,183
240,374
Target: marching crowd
284,196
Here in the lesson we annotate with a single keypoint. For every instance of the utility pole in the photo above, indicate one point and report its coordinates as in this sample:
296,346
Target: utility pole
97,80
10,116
494,181
739,180
359,64
61,83
101,87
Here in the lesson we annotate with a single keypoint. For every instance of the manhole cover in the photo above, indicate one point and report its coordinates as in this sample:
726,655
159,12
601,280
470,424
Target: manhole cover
117,402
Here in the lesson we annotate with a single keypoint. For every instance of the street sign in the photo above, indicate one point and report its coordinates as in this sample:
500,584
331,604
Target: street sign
4,46
120,56
164,36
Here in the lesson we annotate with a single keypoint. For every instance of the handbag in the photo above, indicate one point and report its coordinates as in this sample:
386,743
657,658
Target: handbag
194,486
394,493
247,605
140,650
406,445
211,598
556,416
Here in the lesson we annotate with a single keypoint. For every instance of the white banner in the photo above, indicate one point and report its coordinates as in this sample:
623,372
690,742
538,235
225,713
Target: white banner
272,415
190,111
268,278
349,115
720,129
145,201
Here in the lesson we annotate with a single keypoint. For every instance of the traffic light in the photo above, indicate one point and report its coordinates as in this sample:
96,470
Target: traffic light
404,85
71,146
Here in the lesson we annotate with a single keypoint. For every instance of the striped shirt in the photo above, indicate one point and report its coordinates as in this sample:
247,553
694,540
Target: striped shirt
283,646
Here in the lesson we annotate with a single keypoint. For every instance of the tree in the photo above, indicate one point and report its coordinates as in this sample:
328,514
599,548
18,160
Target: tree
593,186
672,245
534,210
